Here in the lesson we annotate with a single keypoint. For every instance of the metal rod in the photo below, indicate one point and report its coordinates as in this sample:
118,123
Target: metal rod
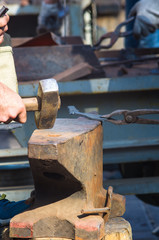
10,126
65,4
14,152
131,61
95,210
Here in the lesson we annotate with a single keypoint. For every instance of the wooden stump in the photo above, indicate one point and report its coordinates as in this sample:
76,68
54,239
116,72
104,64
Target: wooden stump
118,229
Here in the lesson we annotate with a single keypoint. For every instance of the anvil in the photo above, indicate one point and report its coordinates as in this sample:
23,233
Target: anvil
67,168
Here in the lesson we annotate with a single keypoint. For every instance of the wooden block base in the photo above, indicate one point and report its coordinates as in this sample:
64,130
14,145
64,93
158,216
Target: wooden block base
115,229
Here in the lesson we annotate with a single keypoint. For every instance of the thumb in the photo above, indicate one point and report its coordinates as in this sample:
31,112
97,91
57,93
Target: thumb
133,11
22,117
137,29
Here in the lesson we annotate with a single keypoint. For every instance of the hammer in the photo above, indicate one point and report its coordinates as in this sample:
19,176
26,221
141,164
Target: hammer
46,104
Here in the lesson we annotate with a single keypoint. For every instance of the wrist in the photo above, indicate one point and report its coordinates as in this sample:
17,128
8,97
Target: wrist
3,89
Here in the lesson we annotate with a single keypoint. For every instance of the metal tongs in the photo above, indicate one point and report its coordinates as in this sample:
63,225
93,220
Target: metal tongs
114,35
128,116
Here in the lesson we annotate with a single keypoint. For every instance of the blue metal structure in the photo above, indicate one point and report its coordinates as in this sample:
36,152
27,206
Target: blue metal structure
106,95
121,144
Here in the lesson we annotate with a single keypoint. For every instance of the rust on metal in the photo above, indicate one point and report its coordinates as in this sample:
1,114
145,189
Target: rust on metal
67,167
48,61
76,72
134,62
46,39
109,199
95,210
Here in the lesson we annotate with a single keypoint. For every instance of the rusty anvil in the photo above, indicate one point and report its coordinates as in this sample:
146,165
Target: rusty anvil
46,104
67,168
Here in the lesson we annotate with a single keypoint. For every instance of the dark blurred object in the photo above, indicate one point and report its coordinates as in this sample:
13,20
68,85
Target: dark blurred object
47,39
16,177
141,170
48,61
108,7
51,17
24,3
25,25
20,2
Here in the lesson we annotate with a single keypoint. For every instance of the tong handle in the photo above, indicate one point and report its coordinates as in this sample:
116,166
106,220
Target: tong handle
3,11
114,35
132,116
143,112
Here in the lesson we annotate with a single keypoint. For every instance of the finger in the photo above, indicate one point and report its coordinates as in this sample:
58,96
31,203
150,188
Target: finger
22,117
144,31
1,38
154,12
3,29
143,27
4,20
137,29
133,11
8,121
146,26
145,21
152,29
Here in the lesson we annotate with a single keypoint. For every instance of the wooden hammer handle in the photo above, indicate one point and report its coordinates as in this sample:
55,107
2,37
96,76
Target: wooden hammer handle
31,104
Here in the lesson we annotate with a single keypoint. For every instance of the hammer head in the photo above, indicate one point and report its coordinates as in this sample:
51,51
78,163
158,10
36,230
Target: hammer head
49,101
